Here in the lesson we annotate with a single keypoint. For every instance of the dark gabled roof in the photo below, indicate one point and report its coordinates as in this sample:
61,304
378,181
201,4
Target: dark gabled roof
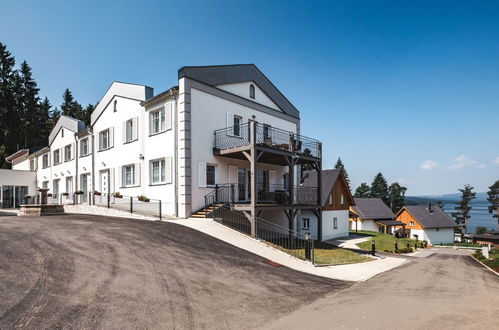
228,74
329,178
434,219
391,222
372,208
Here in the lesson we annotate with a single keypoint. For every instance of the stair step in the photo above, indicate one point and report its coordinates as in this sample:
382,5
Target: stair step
198,216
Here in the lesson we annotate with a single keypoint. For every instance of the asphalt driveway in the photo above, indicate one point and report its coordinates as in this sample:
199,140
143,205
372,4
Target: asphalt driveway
447,290
80,271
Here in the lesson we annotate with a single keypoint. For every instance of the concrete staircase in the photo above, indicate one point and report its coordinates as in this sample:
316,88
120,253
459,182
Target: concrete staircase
204,212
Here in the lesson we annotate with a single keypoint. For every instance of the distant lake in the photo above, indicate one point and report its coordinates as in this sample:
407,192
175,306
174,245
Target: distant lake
480,217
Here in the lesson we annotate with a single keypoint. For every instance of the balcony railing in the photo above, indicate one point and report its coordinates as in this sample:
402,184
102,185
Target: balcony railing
266,194
238,136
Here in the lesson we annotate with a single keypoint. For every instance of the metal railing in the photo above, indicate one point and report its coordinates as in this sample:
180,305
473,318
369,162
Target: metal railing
131,204
238,136
266,194
282,238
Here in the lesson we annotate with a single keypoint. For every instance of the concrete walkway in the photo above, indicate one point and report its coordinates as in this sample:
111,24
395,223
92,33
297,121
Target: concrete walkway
348,242
351,272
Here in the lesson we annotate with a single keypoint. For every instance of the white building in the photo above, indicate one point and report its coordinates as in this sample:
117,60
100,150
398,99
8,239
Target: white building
181,144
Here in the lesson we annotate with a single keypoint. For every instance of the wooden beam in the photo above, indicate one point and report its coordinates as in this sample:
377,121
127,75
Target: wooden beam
247,155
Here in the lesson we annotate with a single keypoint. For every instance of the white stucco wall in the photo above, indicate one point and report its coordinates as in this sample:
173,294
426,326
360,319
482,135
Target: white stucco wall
242,89
18,178
21,164
435,237
328,230
209,113
64,169
368,225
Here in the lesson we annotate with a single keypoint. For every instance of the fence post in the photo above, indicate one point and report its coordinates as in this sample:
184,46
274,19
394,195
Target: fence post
108,200
373,248
159,209
396,245
131,204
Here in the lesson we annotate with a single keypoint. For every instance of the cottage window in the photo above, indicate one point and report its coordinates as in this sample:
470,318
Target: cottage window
342,199
411,223
157,121
129,130
31,164
45,184
104,139
305,223
115,108
335,223
128,175
84,150
67,153
237,125
210,175
57,158
45,161
252,91
331,199
158,171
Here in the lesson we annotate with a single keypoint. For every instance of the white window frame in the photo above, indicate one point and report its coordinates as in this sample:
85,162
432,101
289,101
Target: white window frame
335,223
109,144
331,199
57,160
411,223
84,142
214,175
238,126
164,119
305,223
124,176
45,161
165,174
68,155
32,166
45,184
342,199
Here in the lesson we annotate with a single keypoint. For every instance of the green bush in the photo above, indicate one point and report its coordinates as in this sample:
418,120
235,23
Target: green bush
404,250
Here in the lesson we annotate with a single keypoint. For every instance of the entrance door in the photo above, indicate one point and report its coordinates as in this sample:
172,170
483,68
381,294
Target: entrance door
7,197
242,184
84,187
104,181
21,193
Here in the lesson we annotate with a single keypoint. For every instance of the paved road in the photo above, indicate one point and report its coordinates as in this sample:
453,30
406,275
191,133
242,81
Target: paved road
447,290
92,272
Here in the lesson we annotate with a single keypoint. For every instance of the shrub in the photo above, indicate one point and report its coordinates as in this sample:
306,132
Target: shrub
96,193
117,195
143,198
404,250
78,192
65,194
49,195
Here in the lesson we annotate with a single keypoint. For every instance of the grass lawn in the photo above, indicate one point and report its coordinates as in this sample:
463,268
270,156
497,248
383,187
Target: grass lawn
386,242
326,254
493,262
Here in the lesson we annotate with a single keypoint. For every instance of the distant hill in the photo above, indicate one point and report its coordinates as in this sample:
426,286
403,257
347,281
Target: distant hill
481,197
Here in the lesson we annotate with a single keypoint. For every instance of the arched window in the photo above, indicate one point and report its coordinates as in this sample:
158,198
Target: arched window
252,91
115,103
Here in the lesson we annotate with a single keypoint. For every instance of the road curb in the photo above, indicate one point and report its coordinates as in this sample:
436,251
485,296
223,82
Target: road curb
484,265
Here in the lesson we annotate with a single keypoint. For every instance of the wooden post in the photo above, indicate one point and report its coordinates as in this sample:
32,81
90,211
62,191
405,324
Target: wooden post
319,190
253,176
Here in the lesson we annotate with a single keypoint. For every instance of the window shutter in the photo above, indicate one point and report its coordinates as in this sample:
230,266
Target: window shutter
150,123
230,122
100,141
168,116
111,137
73,151
111,180
272,179
202,174
135,128
137,174
168,170
124,131
120,177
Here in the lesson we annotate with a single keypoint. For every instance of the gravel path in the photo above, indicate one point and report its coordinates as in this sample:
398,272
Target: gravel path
82,271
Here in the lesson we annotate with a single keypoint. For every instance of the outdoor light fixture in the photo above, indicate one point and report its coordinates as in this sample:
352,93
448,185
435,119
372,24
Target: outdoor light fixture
307,236
84,168
141,157
103,164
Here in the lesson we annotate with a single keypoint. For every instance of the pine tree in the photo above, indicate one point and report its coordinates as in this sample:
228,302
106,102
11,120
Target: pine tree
8,139
397,196
362,191
44,119
87,113
67,106
28,107
379,188
493,199
463,207
339,164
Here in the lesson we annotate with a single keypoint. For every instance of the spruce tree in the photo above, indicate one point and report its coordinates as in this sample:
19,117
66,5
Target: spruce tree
67,106
7,105
362,191
463,208
28,107
379,188
87,113
44,118
339,165
397,196
493,199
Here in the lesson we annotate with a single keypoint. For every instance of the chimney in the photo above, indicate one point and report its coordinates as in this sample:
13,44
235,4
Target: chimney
429,208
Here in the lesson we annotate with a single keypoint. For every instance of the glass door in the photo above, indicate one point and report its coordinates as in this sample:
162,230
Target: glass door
7,197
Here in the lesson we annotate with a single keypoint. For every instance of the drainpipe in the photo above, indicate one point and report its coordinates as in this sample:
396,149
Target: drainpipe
175,157
76,165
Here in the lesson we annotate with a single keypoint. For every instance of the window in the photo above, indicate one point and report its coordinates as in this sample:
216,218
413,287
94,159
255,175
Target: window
158,171
210,175
62,132
115,108
128,175
129,130
157,121
285,181
104,139
32,165
84,150
252,91
237,125
437,229
45,161
305,223
67,153
69,184
335,223
57,157
342,199
266,131
411,223
55,188
45,184
331,199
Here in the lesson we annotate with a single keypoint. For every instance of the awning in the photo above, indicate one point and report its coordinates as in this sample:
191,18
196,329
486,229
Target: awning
391,223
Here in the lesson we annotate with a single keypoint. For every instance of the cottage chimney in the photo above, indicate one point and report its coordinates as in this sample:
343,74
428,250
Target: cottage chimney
429,208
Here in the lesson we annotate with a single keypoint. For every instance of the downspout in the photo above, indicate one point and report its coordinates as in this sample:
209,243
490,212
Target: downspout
175,157
93,161
76,164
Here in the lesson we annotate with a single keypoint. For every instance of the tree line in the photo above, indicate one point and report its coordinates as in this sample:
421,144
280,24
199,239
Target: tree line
392,195
25,118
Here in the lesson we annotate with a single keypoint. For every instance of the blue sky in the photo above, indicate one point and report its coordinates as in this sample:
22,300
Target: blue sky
410,89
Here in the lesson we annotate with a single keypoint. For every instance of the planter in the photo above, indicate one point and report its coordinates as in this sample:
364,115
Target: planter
143,199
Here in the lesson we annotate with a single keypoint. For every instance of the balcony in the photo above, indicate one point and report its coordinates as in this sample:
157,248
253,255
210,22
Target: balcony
232,141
